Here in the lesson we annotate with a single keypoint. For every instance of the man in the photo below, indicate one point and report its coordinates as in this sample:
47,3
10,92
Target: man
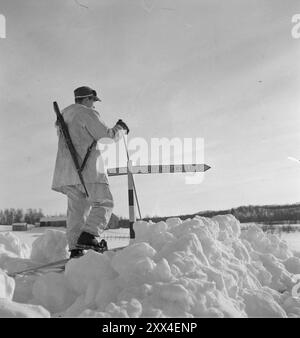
88,216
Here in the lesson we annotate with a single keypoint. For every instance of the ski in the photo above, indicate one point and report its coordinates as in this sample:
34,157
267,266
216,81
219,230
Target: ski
57,265
39,267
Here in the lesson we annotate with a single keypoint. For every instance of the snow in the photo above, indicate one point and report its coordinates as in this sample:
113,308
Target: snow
260,303
292,264
10,309
199,267
89,271
12,244
53,292
293,240
52,246
7,286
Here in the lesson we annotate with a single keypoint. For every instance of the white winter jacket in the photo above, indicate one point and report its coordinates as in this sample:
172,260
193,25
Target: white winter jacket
85,126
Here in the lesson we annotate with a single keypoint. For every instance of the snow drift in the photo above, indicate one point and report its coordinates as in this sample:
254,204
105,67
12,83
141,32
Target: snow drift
199,267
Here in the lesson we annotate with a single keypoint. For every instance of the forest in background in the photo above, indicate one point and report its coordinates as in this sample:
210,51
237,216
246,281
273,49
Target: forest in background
265,214
12,215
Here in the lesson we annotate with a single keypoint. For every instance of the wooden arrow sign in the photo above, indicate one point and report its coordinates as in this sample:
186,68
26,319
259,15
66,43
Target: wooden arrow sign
158,169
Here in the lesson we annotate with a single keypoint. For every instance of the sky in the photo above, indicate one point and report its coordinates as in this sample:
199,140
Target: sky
224,71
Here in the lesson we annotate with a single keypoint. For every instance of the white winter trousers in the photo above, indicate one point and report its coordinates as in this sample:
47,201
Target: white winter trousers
90,214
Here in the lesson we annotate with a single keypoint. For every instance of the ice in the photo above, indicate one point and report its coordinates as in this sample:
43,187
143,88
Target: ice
200,267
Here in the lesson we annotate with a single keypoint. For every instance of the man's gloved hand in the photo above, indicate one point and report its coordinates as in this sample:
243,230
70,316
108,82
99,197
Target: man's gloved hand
123,125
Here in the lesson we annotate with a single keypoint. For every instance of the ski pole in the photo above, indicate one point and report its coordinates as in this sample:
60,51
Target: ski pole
134,188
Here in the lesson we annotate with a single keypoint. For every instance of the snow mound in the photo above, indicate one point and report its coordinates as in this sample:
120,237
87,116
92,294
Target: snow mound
9,309
88,272
12,246
198,267
52,292
49,247
7,286
14,255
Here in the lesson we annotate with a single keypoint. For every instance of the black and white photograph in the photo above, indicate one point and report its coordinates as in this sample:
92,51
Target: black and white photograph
150,162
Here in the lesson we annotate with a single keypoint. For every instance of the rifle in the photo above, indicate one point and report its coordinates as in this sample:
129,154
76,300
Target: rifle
65,132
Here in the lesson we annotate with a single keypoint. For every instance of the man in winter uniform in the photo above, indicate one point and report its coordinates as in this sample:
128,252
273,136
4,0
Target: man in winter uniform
86,216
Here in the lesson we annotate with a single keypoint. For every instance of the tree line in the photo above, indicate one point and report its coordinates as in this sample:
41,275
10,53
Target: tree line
262,214
269,214
30,216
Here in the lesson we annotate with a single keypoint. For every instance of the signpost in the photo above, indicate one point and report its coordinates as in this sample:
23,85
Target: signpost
130,170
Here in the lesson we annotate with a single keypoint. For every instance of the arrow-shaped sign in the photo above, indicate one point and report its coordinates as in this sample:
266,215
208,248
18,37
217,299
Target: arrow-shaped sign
159,169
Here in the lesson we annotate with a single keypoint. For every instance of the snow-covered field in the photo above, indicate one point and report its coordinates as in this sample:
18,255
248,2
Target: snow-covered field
195,268
293,240
114,237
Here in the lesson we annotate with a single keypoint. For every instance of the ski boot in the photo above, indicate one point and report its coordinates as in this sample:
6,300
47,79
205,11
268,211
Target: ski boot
76,253
88,241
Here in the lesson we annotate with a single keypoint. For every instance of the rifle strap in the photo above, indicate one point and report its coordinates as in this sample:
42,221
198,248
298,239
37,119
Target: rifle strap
87,155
